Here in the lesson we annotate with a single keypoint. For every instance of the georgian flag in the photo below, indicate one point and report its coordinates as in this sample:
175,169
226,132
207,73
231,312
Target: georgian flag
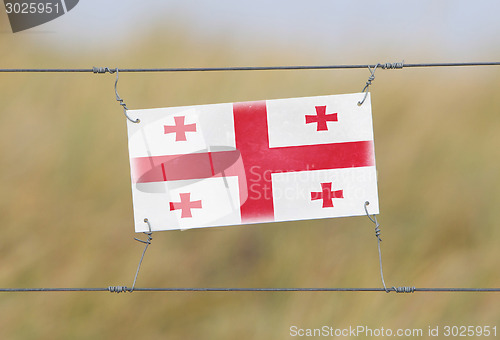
252,162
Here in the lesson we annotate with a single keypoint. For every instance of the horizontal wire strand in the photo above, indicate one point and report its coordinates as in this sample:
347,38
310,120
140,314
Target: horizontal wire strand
125,289
247,68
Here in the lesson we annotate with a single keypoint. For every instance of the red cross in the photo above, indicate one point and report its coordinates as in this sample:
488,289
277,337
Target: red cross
180,129
185,205
321,118
259,161
327,195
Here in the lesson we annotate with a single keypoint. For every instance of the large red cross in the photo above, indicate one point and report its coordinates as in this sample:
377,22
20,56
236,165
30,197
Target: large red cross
259,161
321,118
185,205
179,128
327,195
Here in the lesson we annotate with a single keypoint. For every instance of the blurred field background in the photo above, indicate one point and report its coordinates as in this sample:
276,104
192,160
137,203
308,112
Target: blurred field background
66,209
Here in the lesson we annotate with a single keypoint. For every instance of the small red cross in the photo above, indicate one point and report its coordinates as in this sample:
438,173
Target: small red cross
185,205
327,195
321,118
180,128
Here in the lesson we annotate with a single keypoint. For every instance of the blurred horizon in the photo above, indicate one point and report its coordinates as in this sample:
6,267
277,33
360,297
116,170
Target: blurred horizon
324,31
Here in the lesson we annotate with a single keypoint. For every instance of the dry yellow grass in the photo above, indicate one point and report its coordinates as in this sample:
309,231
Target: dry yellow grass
66,211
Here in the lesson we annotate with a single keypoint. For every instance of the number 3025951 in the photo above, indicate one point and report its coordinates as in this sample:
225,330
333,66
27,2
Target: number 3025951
31,8
474,331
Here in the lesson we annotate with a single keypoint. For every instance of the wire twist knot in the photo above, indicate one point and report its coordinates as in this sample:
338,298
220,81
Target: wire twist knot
147,233
118,289
403,289
368,83
374,220
103,70
392,66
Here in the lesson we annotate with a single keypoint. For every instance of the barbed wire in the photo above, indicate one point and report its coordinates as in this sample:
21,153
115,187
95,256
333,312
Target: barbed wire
398,65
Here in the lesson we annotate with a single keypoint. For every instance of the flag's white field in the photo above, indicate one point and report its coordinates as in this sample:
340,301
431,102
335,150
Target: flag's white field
218,196
214,125
266,161
292,193
286,121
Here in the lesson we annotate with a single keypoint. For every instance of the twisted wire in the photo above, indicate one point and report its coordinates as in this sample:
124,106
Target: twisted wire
377,234
117,289
103,70
118,99
392,66
368,83
147,242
